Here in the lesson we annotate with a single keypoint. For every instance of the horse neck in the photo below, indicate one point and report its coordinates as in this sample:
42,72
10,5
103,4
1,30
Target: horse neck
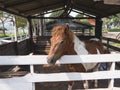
79,46
70,49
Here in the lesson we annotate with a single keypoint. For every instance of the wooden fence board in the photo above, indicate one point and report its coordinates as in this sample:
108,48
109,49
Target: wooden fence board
67,59
27,82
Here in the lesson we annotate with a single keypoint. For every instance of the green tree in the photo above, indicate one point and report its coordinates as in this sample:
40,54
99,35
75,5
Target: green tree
115,20
111,22
57,13
21,22
79,15
3,18
82,20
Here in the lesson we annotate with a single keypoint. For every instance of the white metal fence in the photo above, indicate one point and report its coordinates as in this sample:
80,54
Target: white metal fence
27,82
12,39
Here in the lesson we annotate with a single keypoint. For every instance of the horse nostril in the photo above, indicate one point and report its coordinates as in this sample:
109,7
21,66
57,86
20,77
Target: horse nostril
62,42
48,60
51,60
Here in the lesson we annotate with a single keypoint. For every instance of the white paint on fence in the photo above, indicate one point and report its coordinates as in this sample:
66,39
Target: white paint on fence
15,85
57,77
29,80
67,59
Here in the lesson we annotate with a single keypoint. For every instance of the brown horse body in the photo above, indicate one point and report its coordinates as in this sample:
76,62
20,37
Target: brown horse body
64,42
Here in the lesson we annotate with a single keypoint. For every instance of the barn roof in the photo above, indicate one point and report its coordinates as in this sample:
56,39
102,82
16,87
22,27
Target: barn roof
28,8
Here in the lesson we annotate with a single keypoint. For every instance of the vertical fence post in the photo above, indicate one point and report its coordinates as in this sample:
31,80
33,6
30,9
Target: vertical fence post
32,72
112,69
108,45
12,38
21,37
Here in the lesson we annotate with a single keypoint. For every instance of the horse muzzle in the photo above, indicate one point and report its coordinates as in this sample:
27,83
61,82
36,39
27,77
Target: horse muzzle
51,61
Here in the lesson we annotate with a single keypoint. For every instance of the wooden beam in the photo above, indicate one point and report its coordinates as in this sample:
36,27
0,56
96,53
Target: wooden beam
98,28
42,8
67,8
20,2
30,27
30,34
80,12
51,11
12,12
89,10
113,13
114,2
34,17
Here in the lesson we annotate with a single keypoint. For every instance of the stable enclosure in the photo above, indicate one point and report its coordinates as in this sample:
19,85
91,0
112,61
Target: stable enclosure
29,55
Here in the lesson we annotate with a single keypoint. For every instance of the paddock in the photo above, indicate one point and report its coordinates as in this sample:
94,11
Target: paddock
30,54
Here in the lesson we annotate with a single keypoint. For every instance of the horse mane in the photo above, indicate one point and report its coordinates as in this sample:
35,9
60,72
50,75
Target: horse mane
63,32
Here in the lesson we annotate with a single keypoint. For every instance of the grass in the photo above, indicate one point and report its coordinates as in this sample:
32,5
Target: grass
10,35
7,35
114,30
116,44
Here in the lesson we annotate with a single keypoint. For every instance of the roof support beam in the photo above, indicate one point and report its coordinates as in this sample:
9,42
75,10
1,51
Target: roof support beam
50,12
89,10
98,28
67,9
41,9
30,27
21,2
62,17
54,11
12,12
80,12
31,34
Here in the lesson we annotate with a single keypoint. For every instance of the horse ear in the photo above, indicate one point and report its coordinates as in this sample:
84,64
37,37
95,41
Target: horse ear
66,29
67,26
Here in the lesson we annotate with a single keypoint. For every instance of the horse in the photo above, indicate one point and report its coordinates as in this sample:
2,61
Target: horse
65,42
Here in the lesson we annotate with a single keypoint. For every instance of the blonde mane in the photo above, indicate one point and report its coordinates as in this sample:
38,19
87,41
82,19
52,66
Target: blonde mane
63,32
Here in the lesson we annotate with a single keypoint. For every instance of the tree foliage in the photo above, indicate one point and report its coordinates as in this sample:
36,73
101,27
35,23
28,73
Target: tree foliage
3,18
82,20
21,22
57,13
112,22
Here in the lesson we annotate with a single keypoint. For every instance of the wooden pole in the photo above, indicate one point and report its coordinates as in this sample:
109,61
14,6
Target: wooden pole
15,28
30,34
30,27
98,28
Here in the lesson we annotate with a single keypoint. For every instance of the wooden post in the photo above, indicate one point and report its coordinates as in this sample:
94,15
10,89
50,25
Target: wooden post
30,34
83,32
32,72
98,28
30,27
15,28
112,69
108,45
41,22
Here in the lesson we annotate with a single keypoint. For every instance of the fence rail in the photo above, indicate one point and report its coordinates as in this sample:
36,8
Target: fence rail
107,42
27,82
12,39
118,36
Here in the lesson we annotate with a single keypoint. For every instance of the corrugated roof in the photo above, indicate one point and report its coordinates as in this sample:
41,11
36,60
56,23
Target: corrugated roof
31,7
